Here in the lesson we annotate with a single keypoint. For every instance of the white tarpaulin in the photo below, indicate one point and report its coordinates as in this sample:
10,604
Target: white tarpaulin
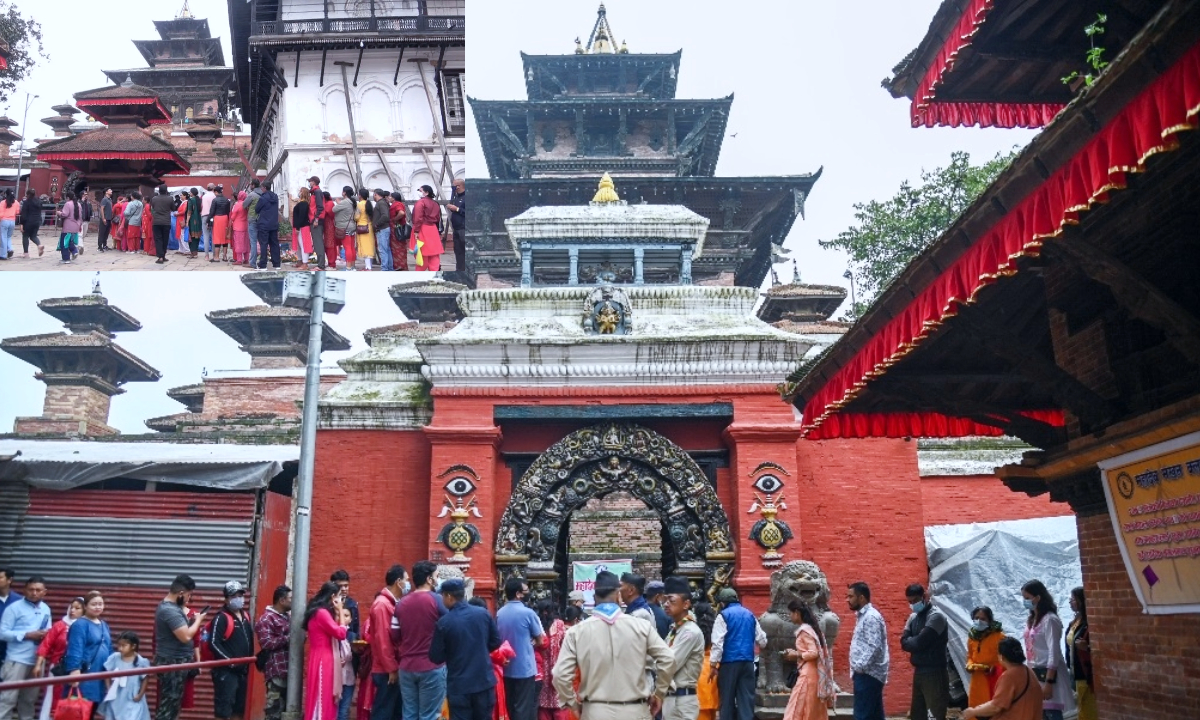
987,563
66,464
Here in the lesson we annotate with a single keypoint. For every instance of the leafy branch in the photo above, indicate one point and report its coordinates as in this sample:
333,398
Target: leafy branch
1094,56
24,39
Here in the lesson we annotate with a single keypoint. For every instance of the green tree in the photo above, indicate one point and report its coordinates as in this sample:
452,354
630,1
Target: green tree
24,40
890,233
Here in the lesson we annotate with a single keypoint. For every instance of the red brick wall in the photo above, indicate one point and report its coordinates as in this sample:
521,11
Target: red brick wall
272,396
1146,666
979,499
859,507
363,483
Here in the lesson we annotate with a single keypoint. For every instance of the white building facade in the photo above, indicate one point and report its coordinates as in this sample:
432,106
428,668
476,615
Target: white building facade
401,65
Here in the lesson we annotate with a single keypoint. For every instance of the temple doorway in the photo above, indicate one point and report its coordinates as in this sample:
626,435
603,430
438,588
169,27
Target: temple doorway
591,477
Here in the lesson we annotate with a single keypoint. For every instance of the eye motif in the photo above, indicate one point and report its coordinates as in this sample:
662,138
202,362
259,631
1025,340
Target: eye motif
460,486
768,484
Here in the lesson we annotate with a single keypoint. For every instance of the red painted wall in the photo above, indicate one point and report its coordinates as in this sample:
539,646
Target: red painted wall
859,508
979,499
370,500
1145,666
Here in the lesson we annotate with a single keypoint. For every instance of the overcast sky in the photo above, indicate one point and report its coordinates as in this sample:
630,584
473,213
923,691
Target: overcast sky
806,75
175,338
83,39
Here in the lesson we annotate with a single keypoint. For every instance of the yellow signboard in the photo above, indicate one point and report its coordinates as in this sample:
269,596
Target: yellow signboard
1154,501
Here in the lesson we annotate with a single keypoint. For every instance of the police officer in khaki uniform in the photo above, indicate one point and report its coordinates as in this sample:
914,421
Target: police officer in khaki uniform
687,644
612,652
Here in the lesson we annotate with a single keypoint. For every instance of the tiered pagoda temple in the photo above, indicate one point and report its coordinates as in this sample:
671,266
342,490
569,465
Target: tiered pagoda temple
120,155
83,368
260,404
186,67
604,109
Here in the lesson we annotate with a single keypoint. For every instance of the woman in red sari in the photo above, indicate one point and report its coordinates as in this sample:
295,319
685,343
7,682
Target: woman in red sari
500,657
118,224
50,654
241,231
556,630
426,240
323,676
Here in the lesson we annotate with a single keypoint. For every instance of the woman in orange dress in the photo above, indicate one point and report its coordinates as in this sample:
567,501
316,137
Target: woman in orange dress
706,688
220,209
983,656
240,221
181,224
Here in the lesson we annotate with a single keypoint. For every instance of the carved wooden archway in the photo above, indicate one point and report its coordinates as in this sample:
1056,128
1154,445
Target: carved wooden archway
594,462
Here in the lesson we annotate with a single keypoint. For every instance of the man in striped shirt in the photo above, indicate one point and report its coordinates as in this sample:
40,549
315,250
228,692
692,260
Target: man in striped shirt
868,654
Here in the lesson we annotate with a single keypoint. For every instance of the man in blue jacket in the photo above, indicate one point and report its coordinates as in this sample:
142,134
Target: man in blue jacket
267,222
464,640
735,636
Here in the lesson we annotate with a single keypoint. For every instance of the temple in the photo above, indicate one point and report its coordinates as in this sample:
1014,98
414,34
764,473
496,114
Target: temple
121,155
603,109
82,368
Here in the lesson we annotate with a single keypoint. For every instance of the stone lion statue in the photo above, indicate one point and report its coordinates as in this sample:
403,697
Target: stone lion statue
445,572
797,580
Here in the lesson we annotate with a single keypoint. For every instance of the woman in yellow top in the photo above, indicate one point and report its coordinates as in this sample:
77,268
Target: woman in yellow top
983,655
362,219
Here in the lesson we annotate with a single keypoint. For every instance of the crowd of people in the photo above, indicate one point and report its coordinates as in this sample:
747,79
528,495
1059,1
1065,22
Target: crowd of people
243,228
424,651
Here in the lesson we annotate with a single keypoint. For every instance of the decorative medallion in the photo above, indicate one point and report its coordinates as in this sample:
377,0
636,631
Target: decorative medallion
459,535
770,533
607,312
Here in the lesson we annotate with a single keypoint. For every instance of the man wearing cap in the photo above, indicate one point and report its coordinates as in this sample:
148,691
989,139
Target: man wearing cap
686,641
735,635
463,639
576,598
232,637
654,593
522,628
611,651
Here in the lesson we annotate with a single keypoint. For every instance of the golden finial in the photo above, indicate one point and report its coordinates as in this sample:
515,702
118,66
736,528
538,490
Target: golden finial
624,48
607,192
578,47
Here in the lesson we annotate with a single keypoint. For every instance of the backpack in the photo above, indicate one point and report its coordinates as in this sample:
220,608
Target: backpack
206,635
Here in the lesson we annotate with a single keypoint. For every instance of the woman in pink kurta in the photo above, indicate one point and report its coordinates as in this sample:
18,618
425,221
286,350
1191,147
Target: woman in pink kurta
241,231
812,694
323,674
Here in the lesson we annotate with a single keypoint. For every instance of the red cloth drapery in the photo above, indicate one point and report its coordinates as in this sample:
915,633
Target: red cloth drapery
928,111
104,102
915,424
1146,126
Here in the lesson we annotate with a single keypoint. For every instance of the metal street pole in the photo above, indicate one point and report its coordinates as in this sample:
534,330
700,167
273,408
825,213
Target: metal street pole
21,155
304,488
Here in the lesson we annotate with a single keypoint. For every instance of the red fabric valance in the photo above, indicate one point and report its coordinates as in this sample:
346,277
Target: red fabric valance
107,102
928,111
916,424
111,155
1146,126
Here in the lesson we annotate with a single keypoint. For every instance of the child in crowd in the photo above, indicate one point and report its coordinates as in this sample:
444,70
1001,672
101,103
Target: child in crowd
126,698
348,677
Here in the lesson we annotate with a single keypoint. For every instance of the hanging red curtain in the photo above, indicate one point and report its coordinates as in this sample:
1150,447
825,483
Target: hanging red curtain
1146,126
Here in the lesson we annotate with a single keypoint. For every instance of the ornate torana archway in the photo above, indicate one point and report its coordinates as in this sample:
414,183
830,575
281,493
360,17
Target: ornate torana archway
603,459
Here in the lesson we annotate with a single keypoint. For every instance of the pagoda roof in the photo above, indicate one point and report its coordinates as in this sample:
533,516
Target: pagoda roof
550,77
6,121
502,129
89,312
748,217
65,109
212,53
194,27
119,365
109,143
429,301
1000,64
969,339
812,302
290,326
9,135
55,121
123,99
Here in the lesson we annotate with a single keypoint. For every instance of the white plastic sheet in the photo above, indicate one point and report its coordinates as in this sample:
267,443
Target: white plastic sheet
987,563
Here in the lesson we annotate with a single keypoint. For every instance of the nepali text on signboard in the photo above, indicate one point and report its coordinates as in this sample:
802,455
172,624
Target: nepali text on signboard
583,576
1154,501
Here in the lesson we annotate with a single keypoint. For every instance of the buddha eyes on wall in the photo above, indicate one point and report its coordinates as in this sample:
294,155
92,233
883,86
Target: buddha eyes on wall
460,486
768,484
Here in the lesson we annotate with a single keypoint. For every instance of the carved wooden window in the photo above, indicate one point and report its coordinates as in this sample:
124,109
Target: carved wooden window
452,90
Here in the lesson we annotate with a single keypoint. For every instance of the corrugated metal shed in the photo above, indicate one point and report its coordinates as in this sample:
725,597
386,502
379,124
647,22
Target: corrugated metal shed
14,499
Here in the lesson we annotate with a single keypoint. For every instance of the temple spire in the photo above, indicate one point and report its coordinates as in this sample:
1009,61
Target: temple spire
607,192
185,12
602,39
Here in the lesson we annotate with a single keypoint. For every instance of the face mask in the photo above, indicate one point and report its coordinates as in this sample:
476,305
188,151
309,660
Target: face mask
918,606
981,625
407,587
237,603
1028,603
